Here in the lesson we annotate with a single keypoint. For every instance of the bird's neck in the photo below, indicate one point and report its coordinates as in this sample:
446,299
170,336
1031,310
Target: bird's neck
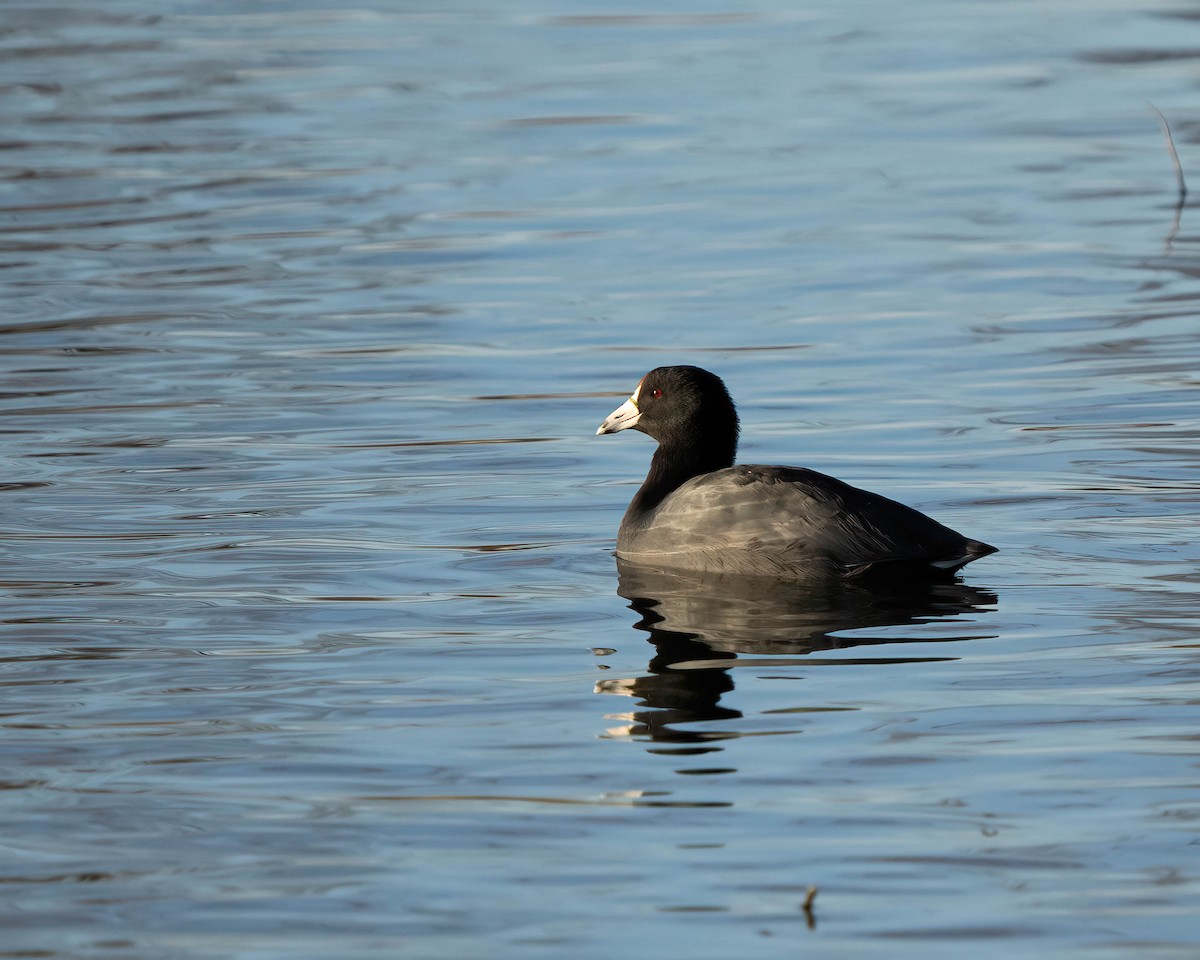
673,466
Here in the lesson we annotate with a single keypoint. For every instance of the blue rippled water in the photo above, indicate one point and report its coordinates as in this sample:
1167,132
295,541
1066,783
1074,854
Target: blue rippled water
312,640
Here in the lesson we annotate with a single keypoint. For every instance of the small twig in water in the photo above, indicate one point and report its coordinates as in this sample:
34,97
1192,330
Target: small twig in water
1166,127
807,907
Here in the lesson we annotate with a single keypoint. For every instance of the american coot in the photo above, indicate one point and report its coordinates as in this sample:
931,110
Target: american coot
696,510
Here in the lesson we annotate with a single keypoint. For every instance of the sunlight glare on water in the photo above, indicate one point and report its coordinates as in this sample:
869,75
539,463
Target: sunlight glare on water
313,640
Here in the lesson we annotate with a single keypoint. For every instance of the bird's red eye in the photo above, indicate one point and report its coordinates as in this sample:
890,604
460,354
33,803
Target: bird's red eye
656,393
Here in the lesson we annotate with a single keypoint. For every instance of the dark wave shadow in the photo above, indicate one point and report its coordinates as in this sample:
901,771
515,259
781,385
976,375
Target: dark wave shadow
701,625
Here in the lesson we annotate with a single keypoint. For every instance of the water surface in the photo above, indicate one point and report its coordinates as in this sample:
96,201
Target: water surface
313,641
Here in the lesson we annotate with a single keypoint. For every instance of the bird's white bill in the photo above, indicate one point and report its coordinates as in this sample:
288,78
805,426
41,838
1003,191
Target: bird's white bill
624,417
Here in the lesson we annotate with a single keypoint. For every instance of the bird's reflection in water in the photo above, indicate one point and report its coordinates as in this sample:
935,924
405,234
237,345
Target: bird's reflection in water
699,625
